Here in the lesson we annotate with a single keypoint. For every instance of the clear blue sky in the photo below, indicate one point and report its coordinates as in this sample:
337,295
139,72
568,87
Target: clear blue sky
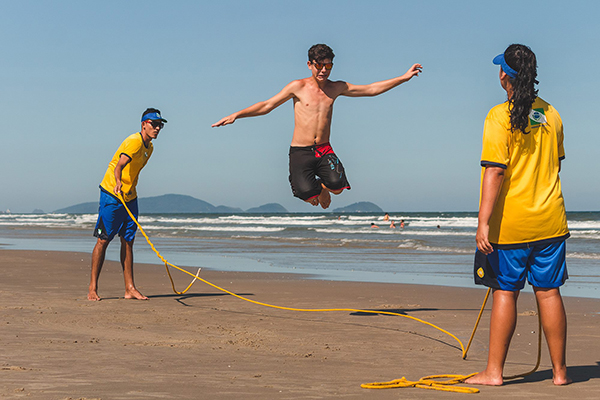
76,75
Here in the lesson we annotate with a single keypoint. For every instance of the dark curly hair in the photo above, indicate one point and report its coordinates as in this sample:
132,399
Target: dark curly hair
520,58
320,52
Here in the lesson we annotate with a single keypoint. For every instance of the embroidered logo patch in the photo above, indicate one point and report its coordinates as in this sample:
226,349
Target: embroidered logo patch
480,272
537,117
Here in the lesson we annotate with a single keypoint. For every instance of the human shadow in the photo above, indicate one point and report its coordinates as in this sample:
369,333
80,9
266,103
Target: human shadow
181,298
579,373
386,311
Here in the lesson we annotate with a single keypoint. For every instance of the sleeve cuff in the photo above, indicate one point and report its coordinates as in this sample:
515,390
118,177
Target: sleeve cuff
492,164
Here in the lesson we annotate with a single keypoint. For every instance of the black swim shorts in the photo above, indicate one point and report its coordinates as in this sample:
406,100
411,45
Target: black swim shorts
312,165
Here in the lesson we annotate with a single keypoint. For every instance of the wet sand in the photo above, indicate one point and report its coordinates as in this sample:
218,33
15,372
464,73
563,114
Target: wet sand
55,344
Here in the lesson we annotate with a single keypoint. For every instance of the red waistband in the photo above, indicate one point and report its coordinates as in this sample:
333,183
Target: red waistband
323,149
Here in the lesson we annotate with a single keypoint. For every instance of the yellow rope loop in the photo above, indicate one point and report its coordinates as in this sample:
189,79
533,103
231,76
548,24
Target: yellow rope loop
396,383
427,382
196,277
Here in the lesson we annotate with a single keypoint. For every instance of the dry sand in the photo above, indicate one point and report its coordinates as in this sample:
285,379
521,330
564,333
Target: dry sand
54,344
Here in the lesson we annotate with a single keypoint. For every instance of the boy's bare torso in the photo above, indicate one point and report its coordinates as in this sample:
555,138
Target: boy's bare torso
313,109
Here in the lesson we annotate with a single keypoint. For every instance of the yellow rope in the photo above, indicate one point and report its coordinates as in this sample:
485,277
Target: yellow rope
487,295
427,382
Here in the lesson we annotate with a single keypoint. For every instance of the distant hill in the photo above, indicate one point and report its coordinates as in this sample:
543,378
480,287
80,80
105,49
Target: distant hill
180,204
168,203
81,208
360,207
268,208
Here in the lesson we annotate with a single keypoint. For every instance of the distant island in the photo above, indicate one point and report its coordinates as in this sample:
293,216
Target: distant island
268,208
360,207
183,204
175,204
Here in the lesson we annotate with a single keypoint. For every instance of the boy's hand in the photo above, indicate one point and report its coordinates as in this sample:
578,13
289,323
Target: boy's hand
225,121
414,71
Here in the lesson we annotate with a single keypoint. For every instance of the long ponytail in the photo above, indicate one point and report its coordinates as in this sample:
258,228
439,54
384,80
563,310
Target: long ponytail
520,58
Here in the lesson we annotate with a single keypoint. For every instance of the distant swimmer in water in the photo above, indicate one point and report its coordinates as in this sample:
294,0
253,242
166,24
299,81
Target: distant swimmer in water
393,225
315,170
373,225
401,223
386,217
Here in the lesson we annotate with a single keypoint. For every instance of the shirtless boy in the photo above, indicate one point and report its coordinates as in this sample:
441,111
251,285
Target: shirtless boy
315,170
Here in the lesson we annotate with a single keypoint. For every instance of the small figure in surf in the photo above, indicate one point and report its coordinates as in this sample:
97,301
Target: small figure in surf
315,170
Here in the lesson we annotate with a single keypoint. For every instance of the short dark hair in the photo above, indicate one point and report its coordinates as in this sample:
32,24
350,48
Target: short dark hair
150,111
320,52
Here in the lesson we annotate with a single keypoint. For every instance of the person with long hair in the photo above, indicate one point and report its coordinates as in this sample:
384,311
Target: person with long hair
522,224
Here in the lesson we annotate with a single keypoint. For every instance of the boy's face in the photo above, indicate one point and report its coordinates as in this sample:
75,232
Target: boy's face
320,69
152,128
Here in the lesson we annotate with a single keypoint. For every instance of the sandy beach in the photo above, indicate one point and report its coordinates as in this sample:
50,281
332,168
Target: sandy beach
208,345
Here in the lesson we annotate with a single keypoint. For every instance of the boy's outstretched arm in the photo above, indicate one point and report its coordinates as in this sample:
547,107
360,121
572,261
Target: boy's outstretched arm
377,88
261,108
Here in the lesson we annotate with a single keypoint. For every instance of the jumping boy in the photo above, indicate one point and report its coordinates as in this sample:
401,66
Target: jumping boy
315,170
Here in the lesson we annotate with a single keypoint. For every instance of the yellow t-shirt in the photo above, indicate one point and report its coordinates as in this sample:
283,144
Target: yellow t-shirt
136,150
530,205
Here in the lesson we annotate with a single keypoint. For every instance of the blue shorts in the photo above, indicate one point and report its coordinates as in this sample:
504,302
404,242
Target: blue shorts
113,218
544,266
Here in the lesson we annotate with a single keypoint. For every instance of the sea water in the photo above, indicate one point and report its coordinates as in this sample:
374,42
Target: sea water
431,248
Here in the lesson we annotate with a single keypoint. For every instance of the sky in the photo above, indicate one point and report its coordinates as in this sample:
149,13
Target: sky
75,77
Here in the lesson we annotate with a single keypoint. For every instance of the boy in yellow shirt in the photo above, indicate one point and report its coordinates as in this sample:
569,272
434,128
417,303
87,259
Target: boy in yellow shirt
121,178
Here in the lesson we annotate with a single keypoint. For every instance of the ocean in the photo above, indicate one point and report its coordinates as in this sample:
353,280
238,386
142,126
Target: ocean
432,248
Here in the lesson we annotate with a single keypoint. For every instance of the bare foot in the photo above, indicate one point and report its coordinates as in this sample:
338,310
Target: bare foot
134,294
560,378
562,382
325,198
93,296
483,378
313,200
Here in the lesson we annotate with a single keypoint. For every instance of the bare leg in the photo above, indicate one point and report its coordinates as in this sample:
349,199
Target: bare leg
127,263
554,321
98,255
325,196
502,327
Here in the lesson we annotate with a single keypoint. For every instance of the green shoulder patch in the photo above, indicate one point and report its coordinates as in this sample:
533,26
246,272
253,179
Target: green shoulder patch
537,117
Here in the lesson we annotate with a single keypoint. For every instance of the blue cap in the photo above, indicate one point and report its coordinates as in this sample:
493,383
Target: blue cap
153,116
499,60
